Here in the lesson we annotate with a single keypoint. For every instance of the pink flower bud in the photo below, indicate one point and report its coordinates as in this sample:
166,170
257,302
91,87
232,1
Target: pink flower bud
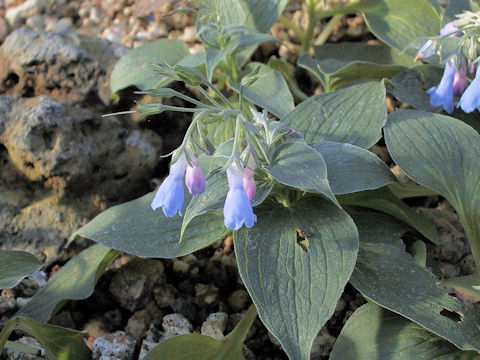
194,178
248,178
460,82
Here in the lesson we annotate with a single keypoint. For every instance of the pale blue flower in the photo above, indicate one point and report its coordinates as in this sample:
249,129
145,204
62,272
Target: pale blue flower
237,209
470,99
442,95
171,194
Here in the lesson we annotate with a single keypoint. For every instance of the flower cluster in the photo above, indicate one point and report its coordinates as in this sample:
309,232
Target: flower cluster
454,80
237,209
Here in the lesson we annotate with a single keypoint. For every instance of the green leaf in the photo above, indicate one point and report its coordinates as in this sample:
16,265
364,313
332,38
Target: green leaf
338,64
136,68
59,343
411,86
260,15
15,266
355,115
295,263
351,168
213,57
134,228
310,170
199,347
383,200
459,6
389,276
443,154
373,333
270,92
390,22
74,281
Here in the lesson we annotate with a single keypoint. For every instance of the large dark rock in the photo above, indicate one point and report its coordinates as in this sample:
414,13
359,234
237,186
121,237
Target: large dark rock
70,67
61,165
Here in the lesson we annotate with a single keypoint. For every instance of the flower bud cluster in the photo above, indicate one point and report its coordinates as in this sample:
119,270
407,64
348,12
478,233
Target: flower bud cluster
458,65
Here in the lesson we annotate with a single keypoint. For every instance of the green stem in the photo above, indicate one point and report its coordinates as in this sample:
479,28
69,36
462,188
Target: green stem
312,19
472,230
233,68
327,30
208,97
220,95
289,24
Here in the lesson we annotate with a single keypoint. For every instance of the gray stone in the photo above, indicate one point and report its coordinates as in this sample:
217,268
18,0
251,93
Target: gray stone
145,348
70,67
85,160
322,345
27,340
206,294
133,285
176,324
28,8
238,300
7,304
116,344
165,295
215,325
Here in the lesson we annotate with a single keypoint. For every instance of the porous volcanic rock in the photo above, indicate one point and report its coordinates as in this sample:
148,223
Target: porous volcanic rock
70,67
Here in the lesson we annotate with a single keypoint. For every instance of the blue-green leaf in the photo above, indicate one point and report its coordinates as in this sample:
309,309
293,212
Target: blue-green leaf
16,265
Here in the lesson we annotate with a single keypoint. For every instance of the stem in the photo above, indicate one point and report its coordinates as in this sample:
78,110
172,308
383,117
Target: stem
289,24
327,30
472,230
182,109
312,19
209,98
233,67
220,95
23,348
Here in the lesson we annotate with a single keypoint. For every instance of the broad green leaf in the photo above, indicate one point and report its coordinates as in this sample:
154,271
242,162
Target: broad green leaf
295,263
408,191
15,266
355,115
136,68
220,131
351,168
399,22
373,333
386,274
134,228
213,57
59,343
443,154
338,64
310,171
270,92
74,281
199,347
385,201
260,15
411,86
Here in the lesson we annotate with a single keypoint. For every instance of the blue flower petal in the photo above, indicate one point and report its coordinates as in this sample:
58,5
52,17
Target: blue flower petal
237,210
170,196
442,95
470,99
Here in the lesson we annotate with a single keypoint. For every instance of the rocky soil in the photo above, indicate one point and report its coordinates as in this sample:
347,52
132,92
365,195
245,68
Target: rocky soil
62,163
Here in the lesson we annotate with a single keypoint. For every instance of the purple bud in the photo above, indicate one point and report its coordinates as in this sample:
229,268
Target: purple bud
450,29
194,177
170,195
248,178
460,82
237,209
470,99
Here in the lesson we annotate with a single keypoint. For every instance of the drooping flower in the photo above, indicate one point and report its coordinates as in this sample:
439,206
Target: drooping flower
170,195
248,178
237,209
442,94
260,117
194,177
460,82
470,99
